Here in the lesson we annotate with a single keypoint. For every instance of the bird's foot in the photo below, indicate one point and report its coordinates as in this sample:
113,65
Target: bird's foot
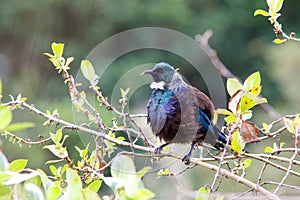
186,159
157,150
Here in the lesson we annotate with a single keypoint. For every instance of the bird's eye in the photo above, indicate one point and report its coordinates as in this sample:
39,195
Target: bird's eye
160,70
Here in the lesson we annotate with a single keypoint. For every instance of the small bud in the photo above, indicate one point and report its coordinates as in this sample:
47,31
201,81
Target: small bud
292,34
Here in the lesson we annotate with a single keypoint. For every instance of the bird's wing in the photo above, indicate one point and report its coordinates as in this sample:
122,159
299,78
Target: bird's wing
205,117
159,106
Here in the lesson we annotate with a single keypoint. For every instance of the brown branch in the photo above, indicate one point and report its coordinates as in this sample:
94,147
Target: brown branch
206,165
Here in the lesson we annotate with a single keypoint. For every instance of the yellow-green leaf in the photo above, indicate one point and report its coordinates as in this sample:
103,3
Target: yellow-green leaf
230,119
252,81
69,60
17,165
281,144
202,193
60,152
279,5
89,72
49,55
247,103
261,12
233,85
237,143
279,41
256,90
268,150
55,62
54,191
95,185
290,126
5,117
142,172
297,122
266,127
19,126
74,187
0,89
58,49
222,111
247,163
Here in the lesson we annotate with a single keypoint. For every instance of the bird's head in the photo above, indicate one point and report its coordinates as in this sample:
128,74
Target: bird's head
162,72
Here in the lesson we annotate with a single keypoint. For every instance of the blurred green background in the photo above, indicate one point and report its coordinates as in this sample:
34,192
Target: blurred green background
243,43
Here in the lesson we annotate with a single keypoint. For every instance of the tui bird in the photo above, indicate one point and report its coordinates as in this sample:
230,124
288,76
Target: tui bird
179,112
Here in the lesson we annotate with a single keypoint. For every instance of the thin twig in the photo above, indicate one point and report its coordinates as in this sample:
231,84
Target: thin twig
291,162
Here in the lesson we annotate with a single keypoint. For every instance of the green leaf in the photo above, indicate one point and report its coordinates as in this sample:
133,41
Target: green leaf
95,185
233,85
143,194
58,49
74,186
114,183
237,143
202,194
89,72
256,90
290,126
49,55
247,163
142,172
5,117
4,176
53,170
220,198
89,194
5,192
230,119
247,103
123,167
34,180
261,12
267,128
268,150
20,177
17,165
0,88
124,92
221,111
252,81
19,126
279,41
279,5
57,150
33,192
3,162
45,180
56,138
54,191
69,61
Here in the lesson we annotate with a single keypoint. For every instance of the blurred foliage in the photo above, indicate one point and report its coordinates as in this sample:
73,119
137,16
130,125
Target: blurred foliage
28,27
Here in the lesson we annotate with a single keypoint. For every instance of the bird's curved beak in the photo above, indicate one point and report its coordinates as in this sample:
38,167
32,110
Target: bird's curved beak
147,72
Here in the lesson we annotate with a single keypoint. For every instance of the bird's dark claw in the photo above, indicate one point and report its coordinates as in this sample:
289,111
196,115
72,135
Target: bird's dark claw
157,150
186,159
